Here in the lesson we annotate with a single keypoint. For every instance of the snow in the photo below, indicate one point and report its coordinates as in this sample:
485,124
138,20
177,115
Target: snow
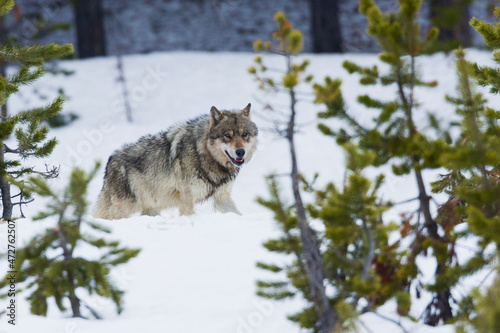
197,273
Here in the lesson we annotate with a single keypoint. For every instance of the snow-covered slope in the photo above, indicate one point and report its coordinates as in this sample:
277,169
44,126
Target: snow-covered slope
197,274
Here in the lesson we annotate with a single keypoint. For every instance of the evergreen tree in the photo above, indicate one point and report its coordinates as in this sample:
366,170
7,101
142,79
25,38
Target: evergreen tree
362,267
482,129
48,263
394,136
473,183
473,186
358,261
288,42
481,310
487,76
30,135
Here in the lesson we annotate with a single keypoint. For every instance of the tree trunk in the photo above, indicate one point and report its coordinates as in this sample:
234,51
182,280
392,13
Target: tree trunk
3,64
3,71
5,192
75,302
123,82
441,301
452,31
4,185
89,28
463,29
326,31
327,317
440,307
68,257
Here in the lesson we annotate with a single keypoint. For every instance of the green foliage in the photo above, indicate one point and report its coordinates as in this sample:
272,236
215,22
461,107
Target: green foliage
48,267
392,138
34,56
31,136
488,31
61,120
359,262
305,275
472,181
487,76
359,259
481,311
473,184
6,6
288,243
288,42
348,315
393,134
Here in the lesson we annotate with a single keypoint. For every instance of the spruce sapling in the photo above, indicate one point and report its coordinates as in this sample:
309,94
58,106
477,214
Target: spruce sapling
49,266
30,134
288,42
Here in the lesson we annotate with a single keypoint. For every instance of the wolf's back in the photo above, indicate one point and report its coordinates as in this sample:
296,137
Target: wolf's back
148,160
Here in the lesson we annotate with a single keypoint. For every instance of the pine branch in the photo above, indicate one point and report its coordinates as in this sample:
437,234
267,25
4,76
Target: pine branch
471,112
367,261
6,149
42,113
6,6
341,257
23,202
35,55
395,322
25,77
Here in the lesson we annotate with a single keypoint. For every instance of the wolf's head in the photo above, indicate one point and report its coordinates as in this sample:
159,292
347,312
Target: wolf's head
232,137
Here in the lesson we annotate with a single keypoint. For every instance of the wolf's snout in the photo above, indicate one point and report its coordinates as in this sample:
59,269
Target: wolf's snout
240,152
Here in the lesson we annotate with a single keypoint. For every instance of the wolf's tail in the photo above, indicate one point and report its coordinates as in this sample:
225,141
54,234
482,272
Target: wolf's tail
101,210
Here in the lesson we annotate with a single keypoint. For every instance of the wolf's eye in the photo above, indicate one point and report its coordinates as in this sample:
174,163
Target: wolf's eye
244,135
227,136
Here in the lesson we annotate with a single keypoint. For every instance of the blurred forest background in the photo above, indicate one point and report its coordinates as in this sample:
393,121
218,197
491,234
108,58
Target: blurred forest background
115,27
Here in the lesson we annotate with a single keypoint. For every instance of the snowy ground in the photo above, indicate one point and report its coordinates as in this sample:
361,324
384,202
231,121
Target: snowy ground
197,274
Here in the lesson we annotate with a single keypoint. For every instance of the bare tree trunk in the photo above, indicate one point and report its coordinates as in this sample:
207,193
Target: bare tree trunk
461,30
3,71
313,261
5,189
442,300
326,29
89,28
5,192
440,307
4,185
68,256
75,302
123,82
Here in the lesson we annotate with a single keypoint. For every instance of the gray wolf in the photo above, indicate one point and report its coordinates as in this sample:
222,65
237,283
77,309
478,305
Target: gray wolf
180,167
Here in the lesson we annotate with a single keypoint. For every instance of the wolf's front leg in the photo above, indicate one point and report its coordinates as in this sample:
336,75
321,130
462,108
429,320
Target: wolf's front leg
226,205
223,202
187,202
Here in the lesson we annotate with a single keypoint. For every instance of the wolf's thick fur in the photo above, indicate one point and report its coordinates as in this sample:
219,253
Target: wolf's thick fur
180,167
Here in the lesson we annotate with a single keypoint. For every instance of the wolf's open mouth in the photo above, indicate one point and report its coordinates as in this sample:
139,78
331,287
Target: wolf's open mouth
236,161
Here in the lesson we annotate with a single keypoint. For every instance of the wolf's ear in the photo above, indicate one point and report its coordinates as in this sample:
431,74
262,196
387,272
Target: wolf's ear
215,116
246,110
